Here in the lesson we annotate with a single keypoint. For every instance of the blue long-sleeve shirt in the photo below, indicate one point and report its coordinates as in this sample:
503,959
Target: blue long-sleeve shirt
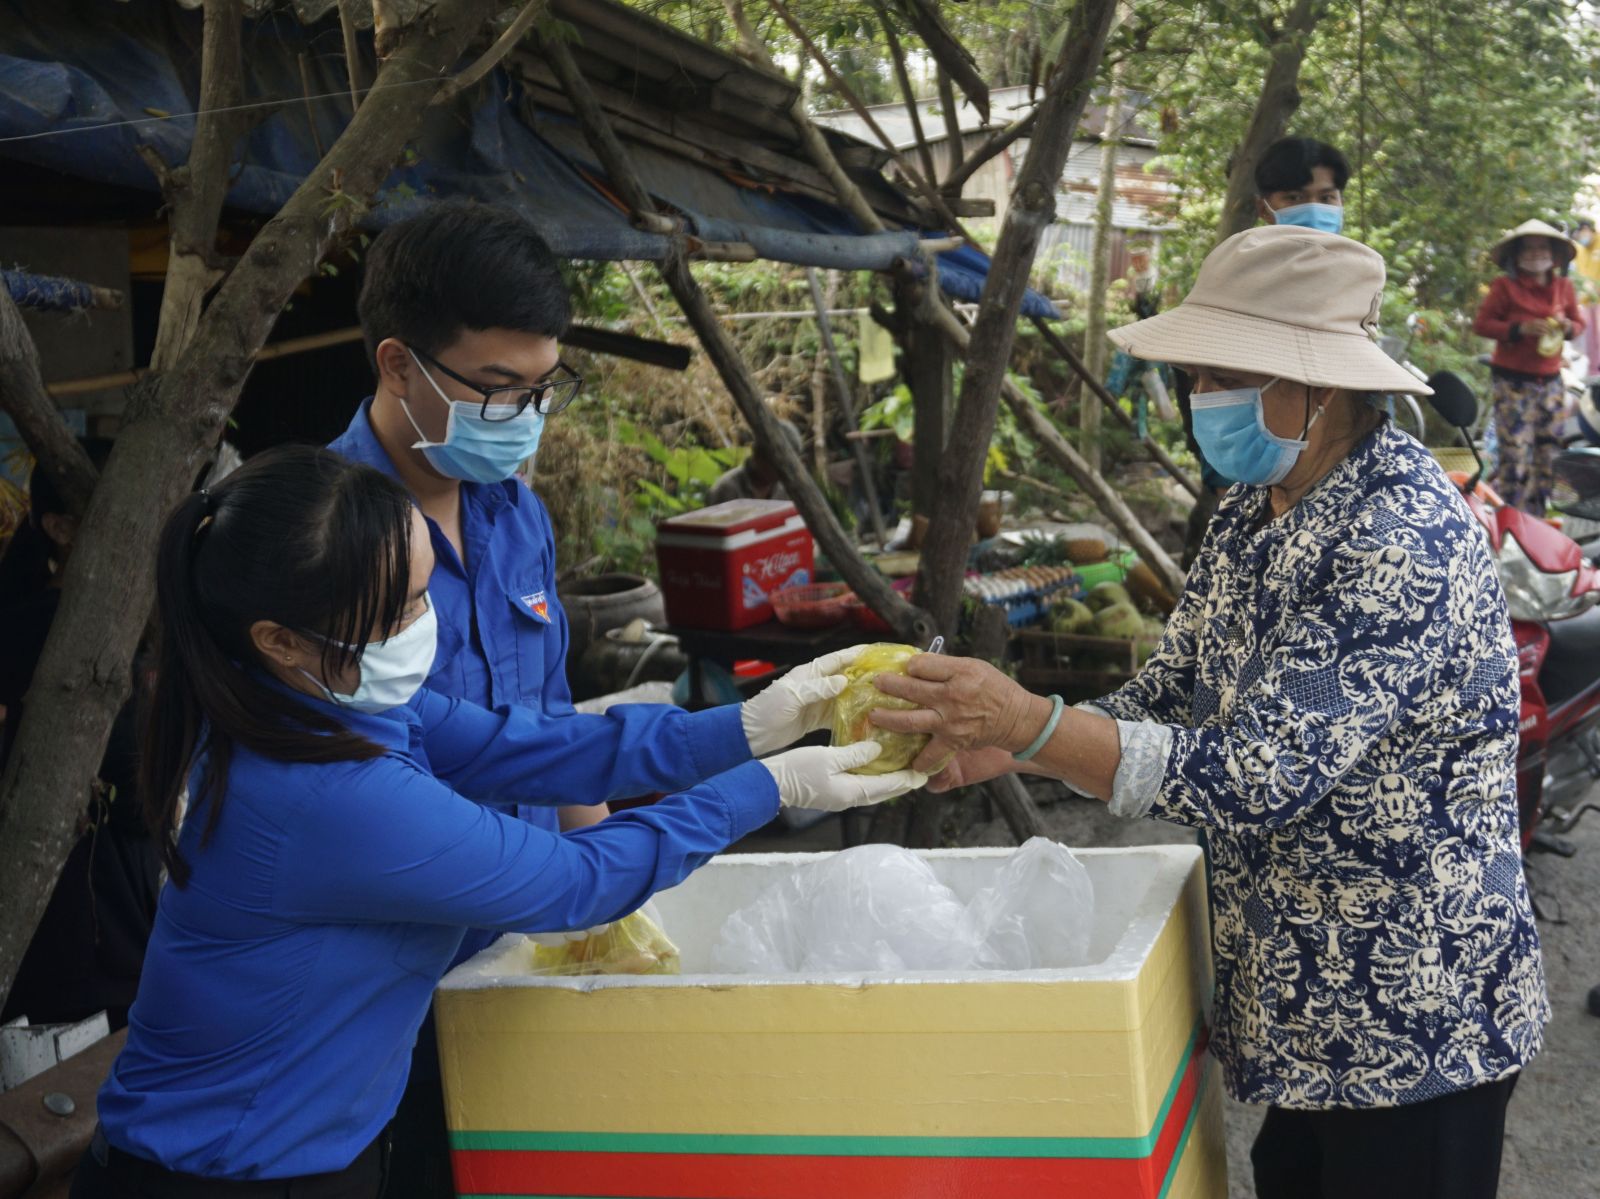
284,984
502,632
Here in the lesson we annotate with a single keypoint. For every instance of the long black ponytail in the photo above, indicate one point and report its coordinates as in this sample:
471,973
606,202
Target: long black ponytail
300,537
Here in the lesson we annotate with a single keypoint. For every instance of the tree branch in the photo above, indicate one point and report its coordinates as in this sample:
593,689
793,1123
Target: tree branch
897,56
503,45
24,399
952,122
195,191
170,426
1032,207
720,348
953,59
1098,390
925,186
993,145
352,52
811,138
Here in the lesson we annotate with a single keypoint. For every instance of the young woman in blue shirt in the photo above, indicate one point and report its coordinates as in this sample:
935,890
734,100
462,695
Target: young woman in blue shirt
344,831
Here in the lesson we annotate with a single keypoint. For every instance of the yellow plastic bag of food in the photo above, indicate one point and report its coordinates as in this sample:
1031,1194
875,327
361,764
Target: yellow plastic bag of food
856,701
633,945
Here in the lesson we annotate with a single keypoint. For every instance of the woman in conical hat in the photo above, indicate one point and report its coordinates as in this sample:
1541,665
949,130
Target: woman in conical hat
1530,312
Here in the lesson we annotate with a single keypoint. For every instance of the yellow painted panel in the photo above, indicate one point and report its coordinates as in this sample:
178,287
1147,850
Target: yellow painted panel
1074,1058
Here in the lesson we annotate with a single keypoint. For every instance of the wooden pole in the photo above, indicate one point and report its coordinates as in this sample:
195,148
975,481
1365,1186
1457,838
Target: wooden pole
1098,389
952,126
1095,346
926,186
1043,431
898,57
848,404
872,588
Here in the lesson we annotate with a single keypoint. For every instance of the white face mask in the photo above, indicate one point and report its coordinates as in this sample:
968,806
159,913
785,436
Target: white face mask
1535,264
392,671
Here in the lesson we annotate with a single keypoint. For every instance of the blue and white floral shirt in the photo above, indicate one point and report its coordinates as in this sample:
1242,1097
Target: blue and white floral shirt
1335,705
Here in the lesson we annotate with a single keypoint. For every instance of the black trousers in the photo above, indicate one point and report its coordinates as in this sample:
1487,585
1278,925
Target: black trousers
106,1172
1445,1148
420,1167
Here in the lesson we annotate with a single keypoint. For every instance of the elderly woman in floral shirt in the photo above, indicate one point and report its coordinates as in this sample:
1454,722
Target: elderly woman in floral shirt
1334,705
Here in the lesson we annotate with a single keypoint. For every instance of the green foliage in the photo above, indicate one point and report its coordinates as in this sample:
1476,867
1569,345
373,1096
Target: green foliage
895,411
692,470
1461,118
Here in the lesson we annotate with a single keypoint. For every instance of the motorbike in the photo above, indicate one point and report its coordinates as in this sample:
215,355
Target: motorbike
1552,587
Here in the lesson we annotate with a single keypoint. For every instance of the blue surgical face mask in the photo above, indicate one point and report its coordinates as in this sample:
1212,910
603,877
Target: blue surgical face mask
1325,218
392,671
1231,429
477,450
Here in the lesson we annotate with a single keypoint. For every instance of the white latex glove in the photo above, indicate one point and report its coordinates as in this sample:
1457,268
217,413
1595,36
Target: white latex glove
816,777
800,702
557,940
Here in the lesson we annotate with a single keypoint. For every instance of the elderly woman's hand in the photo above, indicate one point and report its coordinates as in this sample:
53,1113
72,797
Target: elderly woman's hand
966,704
965,769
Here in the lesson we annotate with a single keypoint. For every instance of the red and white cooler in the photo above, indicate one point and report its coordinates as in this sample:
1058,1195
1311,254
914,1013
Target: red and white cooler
720,565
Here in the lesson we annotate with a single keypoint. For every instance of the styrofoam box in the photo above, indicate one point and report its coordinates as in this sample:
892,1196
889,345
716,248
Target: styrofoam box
1090,1081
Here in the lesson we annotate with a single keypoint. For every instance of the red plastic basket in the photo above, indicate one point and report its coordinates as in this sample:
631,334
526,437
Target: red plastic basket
814,606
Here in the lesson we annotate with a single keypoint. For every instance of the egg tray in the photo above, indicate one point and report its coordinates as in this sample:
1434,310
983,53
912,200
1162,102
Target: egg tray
1028,606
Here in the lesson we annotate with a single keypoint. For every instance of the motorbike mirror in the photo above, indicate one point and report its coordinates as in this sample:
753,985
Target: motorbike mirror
1453,399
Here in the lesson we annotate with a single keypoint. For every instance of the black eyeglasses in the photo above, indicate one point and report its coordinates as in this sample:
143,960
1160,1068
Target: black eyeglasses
508,403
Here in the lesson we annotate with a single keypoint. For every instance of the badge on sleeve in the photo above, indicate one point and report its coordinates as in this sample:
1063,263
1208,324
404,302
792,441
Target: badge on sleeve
536,603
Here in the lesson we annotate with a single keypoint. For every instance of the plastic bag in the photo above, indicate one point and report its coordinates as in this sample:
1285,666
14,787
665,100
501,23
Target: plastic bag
860,697
871,908
1039,912
633,945
880,908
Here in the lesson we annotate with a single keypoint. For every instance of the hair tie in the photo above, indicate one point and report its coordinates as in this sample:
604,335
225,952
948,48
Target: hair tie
208,507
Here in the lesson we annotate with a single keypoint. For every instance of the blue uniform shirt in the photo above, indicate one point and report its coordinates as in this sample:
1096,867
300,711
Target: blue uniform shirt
502,634
285,983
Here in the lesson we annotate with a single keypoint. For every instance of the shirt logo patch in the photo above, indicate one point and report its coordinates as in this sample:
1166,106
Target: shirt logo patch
536,603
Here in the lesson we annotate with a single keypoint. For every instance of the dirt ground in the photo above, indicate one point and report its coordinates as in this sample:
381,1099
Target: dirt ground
1553,1125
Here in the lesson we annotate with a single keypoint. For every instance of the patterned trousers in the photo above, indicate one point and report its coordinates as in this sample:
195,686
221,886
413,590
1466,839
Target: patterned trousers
1527,419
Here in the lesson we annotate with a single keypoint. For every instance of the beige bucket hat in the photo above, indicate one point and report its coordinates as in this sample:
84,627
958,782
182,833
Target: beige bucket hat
1285,301
1564,245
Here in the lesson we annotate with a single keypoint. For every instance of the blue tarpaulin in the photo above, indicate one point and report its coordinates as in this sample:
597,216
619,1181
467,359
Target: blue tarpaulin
83,83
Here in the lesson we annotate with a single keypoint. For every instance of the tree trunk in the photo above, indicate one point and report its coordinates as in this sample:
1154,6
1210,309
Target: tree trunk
172,421
1280,98
195,191
1095,346
1032,207
24,399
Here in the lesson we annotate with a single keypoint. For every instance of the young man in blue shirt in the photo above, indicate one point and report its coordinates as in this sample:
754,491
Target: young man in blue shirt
463,308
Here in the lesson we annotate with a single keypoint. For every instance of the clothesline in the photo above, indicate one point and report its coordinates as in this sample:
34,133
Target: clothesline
811,313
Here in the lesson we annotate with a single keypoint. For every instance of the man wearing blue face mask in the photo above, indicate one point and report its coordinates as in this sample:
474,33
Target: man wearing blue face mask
1300,181
462,308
